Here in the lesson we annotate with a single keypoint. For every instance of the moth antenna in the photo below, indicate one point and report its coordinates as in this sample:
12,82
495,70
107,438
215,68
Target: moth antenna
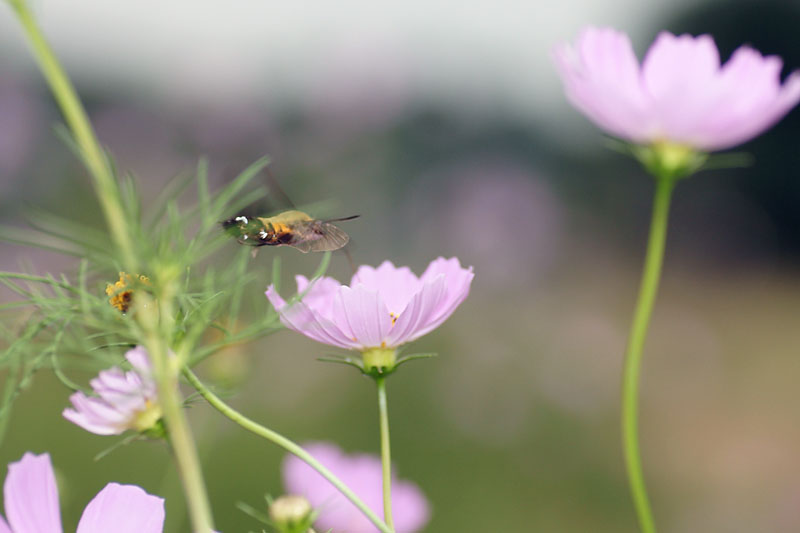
351,217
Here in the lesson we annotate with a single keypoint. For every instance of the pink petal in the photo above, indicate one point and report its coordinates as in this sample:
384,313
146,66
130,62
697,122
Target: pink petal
680,75
320,296
94,415
680,94
298,317
416,510
123,509
4,526
31,496
418,315
140,360
362,473
395,285
601,78
366,314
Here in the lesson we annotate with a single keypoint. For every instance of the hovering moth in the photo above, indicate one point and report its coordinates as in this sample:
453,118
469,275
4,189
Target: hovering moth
290,228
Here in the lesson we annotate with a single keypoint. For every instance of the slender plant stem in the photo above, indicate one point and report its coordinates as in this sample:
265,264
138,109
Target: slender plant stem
155,320
386,453
633,355
108,193
286,444
75,116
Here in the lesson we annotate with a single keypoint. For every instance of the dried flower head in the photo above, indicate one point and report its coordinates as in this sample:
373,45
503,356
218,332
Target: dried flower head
121,292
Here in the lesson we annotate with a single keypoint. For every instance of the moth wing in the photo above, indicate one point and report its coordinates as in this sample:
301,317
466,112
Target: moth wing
318,237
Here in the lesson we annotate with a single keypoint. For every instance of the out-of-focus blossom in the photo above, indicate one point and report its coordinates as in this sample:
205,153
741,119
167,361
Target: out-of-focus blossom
362,473
30,499
680,94
382,308
125,400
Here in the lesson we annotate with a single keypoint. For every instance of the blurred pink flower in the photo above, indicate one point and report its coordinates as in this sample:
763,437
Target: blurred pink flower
383,307
125,400
362,473
680,93
31,502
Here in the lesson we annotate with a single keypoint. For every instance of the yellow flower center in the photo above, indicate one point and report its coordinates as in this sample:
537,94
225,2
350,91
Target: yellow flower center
147,417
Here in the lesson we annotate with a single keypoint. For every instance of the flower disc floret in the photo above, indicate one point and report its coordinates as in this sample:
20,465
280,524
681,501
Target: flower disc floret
680,94
383,307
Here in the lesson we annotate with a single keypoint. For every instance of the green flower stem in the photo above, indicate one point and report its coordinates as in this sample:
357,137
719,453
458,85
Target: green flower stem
151,317
286,444
75,116
633,355
386,453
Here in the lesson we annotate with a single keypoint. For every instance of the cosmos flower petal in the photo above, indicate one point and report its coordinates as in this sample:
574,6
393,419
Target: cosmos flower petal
4,526
319,295
601,78
418,314
366,314
93,415
362,473
384,308
140,361
123,509
31,496
680,94
298,317
416,510
396,285
124,400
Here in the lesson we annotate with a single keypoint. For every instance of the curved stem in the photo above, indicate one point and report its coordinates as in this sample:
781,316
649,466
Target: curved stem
286,444
75,116
633,355
386,454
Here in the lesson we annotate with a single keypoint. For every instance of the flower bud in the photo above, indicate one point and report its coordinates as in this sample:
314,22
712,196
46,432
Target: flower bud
291,514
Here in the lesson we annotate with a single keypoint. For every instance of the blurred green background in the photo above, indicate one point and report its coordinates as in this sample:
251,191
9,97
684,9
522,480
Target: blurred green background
444,127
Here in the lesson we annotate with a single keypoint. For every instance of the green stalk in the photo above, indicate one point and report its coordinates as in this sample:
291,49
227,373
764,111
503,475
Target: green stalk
633,355
109,195
386,453
286,444
178,432
75,116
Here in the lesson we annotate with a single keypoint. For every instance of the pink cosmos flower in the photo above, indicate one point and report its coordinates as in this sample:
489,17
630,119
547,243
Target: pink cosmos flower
679,94
383,307
31,502
362,473
125,400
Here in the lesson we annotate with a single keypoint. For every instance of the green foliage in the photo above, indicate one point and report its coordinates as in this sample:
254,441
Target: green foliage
66,322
